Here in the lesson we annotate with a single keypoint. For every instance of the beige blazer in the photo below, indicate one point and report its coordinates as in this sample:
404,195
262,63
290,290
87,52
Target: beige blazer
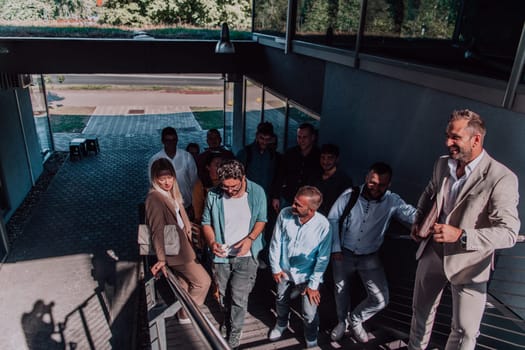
486,208
160,213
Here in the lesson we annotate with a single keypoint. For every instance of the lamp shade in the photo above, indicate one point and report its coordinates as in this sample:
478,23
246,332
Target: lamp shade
224,45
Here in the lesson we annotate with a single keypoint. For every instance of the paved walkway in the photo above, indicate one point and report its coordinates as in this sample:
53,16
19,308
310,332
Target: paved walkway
62,270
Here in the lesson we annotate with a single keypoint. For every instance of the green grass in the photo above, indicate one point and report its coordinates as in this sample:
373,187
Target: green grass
116,33
68,32
89,87
208,119
68,123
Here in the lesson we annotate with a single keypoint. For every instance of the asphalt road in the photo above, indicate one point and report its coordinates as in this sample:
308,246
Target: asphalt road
141,79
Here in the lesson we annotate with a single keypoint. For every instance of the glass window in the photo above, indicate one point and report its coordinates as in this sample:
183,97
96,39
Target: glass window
275,113
228,113
328,22
269,17
252,110
478,37
43,129
296,117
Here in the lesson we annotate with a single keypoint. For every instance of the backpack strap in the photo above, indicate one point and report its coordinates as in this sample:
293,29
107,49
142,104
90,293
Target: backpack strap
351,203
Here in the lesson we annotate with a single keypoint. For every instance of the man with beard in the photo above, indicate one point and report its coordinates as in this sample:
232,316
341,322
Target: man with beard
476,200
234,217
357,236
299,255
214,141
298,165
332,181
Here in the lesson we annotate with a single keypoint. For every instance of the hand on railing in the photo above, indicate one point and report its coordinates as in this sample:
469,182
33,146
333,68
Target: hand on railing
158,267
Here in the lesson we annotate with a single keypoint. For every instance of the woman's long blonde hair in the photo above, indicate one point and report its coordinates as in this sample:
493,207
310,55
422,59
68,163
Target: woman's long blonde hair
164,164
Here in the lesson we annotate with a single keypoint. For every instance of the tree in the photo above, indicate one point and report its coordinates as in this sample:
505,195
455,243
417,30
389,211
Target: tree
73,8
270,15
27,10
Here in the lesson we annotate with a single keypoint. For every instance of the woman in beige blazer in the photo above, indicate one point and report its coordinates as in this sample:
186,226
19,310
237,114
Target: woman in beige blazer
165,210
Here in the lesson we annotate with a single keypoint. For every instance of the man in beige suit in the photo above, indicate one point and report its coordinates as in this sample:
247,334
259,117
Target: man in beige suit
477,200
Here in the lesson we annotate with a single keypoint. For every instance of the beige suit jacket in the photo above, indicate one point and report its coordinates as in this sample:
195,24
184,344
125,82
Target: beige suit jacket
486,208
160,213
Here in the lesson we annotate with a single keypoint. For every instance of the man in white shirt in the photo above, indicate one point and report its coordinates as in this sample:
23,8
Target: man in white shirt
232,221
299,255
183,162
357,237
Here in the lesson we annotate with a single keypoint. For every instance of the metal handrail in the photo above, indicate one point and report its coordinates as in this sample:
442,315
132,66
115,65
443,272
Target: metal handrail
202,324
519,239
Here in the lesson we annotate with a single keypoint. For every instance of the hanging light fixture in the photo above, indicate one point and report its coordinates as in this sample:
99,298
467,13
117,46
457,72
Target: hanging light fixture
224,45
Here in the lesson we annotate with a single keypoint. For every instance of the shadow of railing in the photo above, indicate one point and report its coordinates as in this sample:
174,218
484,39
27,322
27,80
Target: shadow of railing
83,313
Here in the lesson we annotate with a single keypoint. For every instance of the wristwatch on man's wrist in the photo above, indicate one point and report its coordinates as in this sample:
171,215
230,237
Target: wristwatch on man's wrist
463,239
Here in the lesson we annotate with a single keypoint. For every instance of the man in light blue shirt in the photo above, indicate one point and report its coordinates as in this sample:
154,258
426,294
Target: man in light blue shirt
355,247
299,254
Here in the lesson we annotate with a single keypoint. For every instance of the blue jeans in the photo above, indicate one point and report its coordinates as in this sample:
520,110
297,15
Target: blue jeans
287,290
235,281
372,275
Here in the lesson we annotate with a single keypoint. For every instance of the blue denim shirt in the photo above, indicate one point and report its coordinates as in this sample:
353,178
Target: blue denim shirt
302,251
213,215
364,228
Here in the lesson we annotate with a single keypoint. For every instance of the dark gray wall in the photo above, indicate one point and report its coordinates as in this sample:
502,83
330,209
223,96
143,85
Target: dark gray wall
377,118
15,165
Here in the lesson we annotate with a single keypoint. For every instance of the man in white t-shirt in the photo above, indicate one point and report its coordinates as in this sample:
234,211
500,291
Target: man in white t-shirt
234,217
183,162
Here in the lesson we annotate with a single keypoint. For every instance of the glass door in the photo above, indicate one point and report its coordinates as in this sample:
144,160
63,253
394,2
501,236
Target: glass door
41,116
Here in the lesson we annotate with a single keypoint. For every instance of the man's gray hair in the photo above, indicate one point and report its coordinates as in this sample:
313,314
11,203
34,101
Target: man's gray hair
316,197
230,169
475,123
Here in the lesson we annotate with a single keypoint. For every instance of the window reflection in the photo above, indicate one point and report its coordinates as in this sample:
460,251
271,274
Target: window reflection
459,35
275,113
285,116
252,110
269,17
430,19
296,117
228,113
328,22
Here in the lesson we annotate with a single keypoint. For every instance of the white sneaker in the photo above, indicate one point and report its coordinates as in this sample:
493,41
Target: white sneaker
277,332
311,344
184,321
359,333
338,331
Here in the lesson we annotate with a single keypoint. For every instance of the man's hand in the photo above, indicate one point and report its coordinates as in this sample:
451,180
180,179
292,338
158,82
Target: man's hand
276,204
413,233
337,256
243,246
279,275
216,249
444,233
158,267
313,295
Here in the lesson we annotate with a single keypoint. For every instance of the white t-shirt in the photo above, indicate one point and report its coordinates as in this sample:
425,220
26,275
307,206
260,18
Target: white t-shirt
237,217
